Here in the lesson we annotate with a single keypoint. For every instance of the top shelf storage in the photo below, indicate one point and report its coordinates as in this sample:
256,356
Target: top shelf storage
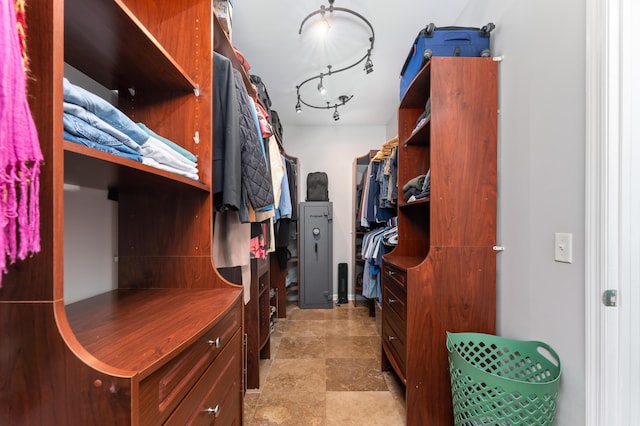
107,42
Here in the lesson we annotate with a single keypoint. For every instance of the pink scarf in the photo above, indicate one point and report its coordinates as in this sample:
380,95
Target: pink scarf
20,155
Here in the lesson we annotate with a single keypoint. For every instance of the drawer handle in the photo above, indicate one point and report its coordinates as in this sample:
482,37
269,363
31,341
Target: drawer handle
215,343
392,338
390,300
214,411
391,273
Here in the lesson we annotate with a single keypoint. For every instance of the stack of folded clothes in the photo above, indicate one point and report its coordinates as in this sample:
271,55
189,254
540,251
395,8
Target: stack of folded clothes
91,121
417,188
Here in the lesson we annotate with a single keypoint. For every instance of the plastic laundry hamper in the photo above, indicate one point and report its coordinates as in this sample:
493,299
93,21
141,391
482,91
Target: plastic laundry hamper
499,381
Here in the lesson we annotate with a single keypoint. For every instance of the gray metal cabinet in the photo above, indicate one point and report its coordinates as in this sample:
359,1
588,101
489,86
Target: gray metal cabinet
316,254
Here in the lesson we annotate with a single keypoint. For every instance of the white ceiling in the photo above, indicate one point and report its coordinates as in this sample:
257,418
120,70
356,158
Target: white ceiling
266,32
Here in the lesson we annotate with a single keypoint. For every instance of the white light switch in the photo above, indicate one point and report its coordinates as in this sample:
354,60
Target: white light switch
563,247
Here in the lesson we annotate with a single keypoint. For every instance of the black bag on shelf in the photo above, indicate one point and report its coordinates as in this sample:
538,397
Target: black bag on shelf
317,186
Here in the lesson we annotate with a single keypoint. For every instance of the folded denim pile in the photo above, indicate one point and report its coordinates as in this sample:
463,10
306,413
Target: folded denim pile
92,121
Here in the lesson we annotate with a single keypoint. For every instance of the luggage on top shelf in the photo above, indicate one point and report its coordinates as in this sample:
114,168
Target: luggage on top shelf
444,41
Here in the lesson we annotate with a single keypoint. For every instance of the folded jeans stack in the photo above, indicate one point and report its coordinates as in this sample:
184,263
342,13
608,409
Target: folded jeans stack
92,121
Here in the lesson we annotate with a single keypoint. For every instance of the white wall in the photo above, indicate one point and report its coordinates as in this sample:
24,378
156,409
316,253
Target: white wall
332,149
90,244
541,178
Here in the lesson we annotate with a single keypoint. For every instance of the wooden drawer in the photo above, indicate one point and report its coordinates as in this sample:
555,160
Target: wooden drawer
394,302
217,397
394,276
394,342
162,391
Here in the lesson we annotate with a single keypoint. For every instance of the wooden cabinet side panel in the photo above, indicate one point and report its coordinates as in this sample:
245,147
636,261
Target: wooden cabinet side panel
464,152
453,290
44,382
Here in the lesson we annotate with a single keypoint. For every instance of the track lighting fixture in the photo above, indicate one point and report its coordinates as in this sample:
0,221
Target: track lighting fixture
368,66
321,88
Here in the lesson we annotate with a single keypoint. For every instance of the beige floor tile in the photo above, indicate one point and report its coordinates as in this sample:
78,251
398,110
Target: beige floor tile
351,374
358,347
346,312
296,375
307,314
306,328
350,327
324,371
302,347
289,408
362,409
250,403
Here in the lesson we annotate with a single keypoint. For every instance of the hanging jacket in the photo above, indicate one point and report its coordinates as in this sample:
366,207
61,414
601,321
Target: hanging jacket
227,177
254,167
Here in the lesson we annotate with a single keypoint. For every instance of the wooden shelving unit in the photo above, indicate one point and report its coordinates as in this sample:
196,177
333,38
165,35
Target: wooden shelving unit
166,345
441,276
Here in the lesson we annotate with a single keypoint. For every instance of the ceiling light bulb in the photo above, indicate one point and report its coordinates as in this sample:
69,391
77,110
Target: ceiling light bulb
323,27
321,88
298,107
336,115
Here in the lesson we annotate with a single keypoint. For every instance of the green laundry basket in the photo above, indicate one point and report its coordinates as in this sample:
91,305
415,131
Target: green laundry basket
499,381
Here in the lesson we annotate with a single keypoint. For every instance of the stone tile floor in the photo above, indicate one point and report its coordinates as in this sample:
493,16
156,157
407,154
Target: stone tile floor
325,370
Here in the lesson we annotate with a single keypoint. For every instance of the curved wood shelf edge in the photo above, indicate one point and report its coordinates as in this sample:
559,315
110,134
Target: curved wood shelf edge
149,358
84,356
414,96
403,262
222,282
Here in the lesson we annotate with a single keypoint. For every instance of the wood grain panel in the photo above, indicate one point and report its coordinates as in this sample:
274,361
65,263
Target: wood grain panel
163,224
444,241
453,290
120,52
464,120
139,330
44,382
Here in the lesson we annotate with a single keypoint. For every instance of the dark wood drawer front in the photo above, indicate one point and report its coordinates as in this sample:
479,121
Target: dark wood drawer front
161,392
217,397
395,276
394,339
394,302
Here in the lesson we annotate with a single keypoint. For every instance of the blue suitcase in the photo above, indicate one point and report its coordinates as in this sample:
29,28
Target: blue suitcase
445,41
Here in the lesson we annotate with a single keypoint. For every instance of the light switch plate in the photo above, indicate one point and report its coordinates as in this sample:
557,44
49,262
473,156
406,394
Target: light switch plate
564,247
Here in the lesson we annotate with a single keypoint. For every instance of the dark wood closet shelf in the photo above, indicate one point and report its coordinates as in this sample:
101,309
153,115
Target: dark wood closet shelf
403,262
105,40
415,97
92,168
421,135
136,330
414,204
